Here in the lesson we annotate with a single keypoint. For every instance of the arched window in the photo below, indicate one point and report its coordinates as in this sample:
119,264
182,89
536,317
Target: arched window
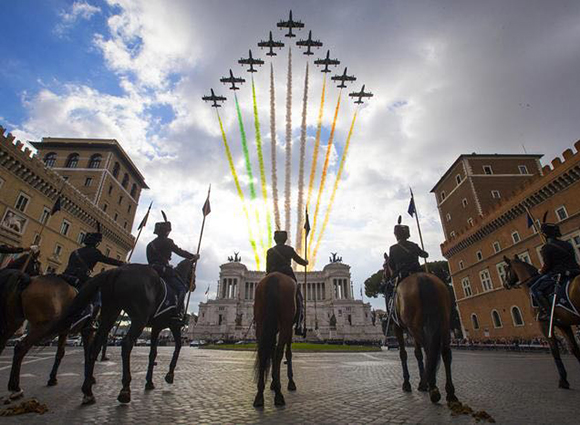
72,160
496,319
95,161
125,180
517,316
116,169
133,190
50,159
474,321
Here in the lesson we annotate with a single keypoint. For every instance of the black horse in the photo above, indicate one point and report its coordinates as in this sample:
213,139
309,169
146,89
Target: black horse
138,290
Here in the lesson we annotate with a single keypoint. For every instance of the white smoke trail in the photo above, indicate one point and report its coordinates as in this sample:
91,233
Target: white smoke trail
299,224
288,170
273,148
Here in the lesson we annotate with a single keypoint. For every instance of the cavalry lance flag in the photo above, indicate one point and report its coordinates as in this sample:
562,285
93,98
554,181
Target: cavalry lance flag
140,228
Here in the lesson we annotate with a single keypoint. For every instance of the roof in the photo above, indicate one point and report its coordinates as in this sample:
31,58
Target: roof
476,155
61,142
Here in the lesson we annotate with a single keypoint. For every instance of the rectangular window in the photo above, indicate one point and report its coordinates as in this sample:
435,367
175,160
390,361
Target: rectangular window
116,216
470,222
37,239
525,257
81,237
448,217
487,169
120,199
110,189
523,169
1,183
496,247
105,206
479,255
125,225
64,227
442,196
461,265
88,181
22,202
501,271
486,283
561,213
44,216
466,286
458,178
129,208
464,202
516,237
495,194
57,250
108,252
452,234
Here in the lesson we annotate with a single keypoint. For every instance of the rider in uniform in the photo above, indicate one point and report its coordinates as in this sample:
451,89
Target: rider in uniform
159,252
559,259
279,259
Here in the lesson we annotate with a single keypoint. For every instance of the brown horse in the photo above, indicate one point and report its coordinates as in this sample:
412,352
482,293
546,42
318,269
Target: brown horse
519,273
42,302
274,312
423,308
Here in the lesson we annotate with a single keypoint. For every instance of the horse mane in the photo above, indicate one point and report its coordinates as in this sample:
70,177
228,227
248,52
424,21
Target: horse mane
529,267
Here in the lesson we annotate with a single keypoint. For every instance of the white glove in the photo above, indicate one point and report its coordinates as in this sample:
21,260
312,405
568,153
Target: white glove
34,249
196,257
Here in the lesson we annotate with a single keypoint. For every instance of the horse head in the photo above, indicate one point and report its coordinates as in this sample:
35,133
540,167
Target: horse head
517,272
386,269
185,269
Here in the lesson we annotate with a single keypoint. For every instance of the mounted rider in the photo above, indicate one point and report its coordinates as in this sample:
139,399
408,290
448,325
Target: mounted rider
279,259
159,252
559,258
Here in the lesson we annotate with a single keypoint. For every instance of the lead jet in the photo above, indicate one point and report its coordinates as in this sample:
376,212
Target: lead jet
251,61
309,43
326,62
270,44
232,80
343,79
360,95
290,23
215,99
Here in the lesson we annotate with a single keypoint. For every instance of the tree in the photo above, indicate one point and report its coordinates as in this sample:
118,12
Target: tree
372,284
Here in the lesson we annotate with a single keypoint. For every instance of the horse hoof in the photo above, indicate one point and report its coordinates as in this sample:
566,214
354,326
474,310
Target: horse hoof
51,382
169,378
451,398
105,359
564,384
88,399
407,387
423,388
149,386
291,386
124,396
435,395
259,400
279,400
16,394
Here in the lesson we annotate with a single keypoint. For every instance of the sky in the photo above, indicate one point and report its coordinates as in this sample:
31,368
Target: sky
448,78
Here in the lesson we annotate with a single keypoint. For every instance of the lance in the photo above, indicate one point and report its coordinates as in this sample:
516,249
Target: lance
419,228
307,230
206,210
141,227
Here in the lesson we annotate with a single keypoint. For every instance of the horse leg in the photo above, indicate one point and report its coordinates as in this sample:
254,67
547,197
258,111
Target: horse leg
291,383
36,333
176,332
284,336
419,355
108,319
273,357
563,383
152,355
52,381
8,333
572,341
104,357
137,326
449,387
403,356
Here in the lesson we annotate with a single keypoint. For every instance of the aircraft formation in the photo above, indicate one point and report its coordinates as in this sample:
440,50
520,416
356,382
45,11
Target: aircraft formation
270,44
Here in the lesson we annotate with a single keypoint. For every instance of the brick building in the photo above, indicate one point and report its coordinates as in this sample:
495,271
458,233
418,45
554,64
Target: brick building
98,182
482,201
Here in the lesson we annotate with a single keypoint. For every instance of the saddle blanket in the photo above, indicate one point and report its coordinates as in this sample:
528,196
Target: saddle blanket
169,300
562,299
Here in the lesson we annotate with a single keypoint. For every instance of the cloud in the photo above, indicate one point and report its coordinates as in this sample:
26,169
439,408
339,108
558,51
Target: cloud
78,10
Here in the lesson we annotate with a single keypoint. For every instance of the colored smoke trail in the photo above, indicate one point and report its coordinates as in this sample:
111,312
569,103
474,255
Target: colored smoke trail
323,176
336,181
316,144
273,149
288,169
239,190
249,171
300,224
261,163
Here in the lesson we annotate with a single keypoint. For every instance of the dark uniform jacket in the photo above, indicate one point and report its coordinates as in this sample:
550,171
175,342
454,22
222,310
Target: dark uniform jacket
558,257
404,258
4,249
82,261
159,252
279,259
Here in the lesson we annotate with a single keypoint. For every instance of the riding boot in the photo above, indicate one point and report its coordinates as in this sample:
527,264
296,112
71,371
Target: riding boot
545,307
179,316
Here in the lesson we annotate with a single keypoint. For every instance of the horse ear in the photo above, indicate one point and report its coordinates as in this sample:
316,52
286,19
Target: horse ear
385,256
545,217
507,260
399,220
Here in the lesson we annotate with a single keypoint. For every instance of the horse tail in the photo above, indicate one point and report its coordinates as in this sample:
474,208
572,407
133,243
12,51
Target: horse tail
267,339
433,322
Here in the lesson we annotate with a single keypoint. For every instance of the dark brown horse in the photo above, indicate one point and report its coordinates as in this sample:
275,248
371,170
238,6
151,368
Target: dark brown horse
42,302
423,308
519,273
274,312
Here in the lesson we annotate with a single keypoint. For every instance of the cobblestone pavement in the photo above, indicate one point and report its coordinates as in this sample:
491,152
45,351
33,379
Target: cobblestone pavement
218,387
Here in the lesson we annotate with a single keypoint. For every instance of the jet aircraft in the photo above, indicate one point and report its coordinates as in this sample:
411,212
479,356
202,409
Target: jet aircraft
270,44
326,62
215,99
360,95
343,79
232,80
290,23
309,44
251,61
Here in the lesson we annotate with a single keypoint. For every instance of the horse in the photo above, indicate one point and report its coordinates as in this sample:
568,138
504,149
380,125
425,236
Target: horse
137,289
519,273
42,301
274,315
423,308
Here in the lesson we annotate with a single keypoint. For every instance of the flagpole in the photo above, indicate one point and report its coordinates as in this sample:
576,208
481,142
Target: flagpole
307,228
139,233
419,228
194,267
534,224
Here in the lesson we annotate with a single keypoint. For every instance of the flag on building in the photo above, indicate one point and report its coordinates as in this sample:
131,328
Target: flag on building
207,290
57,205
144,221
412,210
530,220
206,207
306,225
